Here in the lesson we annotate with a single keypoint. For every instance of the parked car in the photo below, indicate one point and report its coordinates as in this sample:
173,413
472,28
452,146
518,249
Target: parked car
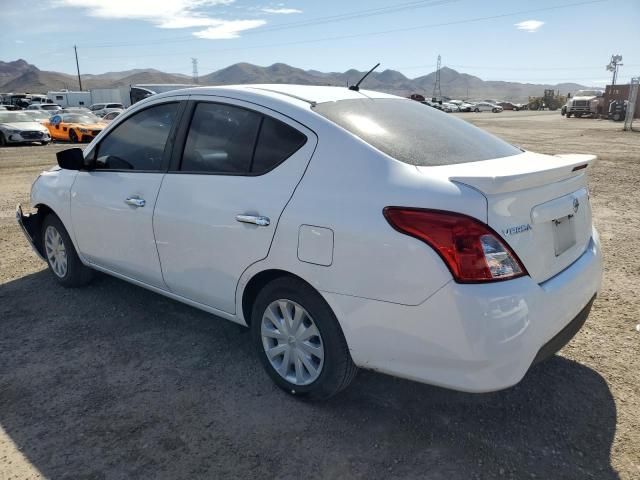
74,127
486,107
112,114
18,127
463,106
346,229
450,107
100,109
49,107
81,110
435,105
40,116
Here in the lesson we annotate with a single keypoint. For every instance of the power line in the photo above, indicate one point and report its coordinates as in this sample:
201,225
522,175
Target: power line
367,34
301,23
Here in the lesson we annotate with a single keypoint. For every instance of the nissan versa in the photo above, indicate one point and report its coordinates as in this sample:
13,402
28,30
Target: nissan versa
346,228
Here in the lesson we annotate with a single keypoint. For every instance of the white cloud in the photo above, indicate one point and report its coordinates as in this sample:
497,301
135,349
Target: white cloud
228,29
530,26
168,14
282,11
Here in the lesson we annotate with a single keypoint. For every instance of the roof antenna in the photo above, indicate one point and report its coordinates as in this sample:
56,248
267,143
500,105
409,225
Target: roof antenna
356,87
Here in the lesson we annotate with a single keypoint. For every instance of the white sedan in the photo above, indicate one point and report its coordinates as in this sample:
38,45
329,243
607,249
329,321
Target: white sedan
346,228
486,107
20,127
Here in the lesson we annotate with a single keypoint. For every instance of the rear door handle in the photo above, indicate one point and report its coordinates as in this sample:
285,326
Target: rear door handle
254,219
135,201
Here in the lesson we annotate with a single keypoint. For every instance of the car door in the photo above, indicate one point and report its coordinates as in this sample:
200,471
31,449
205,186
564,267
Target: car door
237,166
112,203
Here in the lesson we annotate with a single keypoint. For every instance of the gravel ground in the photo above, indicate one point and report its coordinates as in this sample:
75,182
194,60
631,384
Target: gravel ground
112,381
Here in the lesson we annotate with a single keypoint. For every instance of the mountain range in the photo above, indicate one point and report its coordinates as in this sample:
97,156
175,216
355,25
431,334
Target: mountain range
20,76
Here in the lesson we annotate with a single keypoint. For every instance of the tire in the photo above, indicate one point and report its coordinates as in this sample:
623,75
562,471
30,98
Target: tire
3,141
73,137
568,115
333,372
58,248
476,110
578,115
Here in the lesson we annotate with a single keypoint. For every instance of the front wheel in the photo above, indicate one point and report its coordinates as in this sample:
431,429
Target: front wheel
568,115
73,136
3,141
61,255
299,340
476,110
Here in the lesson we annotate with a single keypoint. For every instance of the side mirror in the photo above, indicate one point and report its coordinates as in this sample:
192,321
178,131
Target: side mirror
71,159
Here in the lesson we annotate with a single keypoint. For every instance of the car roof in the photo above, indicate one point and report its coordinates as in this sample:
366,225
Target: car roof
287,92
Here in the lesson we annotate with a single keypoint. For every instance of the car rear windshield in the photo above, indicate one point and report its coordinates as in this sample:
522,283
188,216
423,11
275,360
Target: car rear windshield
415,133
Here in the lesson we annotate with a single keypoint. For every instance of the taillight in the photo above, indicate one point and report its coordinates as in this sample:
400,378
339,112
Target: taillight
472,251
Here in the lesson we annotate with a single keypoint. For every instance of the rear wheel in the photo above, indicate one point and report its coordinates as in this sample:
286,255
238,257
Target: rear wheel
299,340
73,136
476,110
61,255
3,141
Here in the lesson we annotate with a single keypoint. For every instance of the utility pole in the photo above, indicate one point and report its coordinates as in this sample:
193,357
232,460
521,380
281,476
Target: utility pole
194,62
437,93
616,61
75,49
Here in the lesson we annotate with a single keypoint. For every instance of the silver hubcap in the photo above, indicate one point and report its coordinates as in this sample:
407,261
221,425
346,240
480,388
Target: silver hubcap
292,342
56,253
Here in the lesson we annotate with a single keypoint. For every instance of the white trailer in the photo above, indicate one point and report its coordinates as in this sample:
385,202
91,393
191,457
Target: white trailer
66,98
111,95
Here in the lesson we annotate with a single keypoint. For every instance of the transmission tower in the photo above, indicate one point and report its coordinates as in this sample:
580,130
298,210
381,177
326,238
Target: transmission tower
437,93
194,62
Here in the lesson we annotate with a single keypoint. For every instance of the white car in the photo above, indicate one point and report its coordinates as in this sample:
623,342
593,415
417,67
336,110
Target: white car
100,109
345,228
111,114
49,107
486,107
19,127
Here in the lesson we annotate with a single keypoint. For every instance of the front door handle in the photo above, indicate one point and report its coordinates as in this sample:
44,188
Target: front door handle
135,201
255,219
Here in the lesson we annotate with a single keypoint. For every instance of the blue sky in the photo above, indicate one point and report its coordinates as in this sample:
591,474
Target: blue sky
517,40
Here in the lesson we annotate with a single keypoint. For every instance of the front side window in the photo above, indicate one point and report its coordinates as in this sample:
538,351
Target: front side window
226,139
220,139
139,142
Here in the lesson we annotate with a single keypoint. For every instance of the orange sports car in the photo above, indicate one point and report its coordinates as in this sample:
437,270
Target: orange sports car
74,127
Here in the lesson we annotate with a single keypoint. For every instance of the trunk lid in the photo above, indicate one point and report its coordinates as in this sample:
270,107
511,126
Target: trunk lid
539,204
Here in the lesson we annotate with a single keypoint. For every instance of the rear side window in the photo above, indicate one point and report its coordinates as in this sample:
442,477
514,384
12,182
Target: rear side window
114,105
139,142
415,133
226,139
277,142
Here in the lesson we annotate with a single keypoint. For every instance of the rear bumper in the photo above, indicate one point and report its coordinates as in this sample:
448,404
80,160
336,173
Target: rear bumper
29,225
474,338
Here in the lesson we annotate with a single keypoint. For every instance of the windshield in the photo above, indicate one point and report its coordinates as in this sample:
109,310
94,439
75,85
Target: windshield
84,118
588,93
49,107
38,114
413,133
14,117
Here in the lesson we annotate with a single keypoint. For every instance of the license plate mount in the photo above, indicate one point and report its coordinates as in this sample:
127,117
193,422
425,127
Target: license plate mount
564,234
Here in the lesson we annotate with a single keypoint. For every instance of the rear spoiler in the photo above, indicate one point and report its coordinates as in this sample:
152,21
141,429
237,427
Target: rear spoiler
510,174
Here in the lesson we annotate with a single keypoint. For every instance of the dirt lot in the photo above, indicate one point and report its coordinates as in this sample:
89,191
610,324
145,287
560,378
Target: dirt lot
113,382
